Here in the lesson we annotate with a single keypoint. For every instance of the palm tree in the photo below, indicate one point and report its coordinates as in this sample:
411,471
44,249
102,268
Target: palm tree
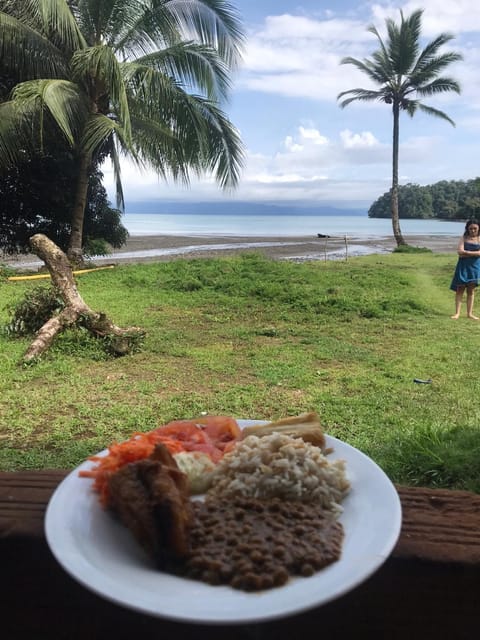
404,74
138,78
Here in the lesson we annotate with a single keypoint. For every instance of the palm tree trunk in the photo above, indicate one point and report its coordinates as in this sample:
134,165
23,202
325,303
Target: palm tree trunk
74,252
395,217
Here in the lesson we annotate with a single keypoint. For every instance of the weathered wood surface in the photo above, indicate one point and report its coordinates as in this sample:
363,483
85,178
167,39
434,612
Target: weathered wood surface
437,525
428,588
23,501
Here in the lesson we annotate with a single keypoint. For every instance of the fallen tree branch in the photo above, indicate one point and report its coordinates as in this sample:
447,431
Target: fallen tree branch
76,311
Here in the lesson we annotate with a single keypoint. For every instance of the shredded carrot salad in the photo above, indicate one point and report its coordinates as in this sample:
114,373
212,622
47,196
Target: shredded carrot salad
213,435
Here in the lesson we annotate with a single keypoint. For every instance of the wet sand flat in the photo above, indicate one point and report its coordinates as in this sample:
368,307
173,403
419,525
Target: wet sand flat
167,247
301,247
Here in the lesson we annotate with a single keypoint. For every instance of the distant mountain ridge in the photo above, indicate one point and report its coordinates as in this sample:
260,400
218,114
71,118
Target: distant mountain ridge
238,208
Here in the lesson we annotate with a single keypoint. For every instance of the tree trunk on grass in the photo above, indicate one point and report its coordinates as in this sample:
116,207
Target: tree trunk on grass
76,311
74,251
395,215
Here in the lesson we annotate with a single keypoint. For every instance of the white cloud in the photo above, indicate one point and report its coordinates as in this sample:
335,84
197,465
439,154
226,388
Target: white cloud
291,145
358,140
287,179
299,56
339,154
313,135
453,17
305,136
310,166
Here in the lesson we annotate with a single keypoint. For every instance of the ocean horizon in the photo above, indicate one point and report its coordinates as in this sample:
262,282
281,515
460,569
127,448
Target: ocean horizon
266,231
281,225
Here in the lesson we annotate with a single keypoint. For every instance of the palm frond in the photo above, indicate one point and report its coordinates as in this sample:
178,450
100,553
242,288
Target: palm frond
94,18
196,67
193,134
213,22
157,147
54,19
210,142
382,66
383,53
435,66
430,51
149,88
361,95
117,174
404,43
224,153
151,26
28,53
431,111
12,141
145,28
59,97
145,81
170,140
410,106
98,70
374,72
439,85
97,130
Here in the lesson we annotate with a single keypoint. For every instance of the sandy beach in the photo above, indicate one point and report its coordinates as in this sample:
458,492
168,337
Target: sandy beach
167,247
148,248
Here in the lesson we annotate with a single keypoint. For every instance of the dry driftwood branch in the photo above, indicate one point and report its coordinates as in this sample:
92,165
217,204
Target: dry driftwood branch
76,311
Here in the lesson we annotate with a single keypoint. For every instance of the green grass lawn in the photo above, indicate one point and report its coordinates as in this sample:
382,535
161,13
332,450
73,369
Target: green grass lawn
257,338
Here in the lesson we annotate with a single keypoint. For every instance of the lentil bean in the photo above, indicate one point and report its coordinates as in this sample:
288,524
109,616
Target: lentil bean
267,542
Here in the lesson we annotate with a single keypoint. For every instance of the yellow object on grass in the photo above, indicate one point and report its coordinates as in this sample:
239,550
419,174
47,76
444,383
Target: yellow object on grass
39,276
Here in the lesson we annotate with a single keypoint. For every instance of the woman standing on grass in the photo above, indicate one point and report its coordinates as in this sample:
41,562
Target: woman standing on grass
467,271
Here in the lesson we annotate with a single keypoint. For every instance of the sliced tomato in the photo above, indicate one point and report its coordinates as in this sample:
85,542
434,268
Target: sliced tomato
213,435
220,429
183,430
190,435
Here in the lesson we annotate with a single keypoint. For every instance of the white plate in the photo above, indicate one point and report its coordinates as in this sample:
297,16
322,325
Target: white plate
101,554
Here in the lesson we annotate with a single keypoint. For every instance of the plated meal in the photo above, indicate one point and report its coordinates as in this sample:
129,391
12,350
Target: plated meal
270,507
229,509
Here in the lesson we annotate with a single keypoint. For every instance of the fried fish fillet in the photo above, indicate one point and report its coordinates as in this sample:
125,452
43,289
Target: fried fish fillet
151,498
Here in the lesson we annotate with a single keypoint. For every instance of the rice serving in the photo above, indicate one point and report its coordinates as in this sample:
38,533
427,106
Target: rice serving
280,466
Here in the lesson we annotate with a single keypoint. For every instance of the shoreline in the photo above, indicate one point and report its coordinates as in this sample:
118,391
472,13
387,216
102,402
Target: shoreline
154,248
149,248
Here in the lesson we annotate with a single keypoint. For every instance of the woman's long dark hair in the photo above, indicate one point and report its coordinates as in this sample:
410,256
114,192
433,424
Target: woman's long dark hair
469,224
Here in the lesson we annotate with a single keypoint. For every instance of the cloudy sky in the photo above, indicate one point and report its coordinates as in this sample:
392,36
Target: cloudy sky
300,146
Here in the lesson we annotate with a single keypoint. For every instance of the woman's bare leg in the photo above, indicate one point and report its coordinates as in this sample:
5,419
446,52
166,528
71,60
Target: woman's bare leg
458,302
470,301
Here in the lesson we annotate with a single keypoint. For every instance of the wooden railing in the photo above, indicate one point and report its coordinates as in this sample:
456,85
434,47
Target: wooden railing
428,588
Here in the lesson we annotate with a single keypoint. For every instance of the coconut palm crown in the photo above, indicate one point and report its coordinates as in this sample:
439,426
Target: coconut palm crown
137,78
405,74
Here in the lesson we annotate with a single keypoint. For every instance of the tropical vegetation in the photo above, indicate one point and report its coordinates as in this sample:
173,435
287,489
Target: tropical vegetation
445,200
404,74
257,338
29,205
140,79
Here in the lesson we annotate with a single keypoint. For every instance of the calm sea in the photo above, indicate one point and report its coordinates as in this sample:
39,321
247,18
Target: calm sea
356,226
280,226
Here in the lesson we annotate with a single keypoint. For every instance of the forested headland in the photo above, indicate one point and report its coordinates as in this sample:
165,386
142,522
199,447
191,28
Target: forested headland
447,199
